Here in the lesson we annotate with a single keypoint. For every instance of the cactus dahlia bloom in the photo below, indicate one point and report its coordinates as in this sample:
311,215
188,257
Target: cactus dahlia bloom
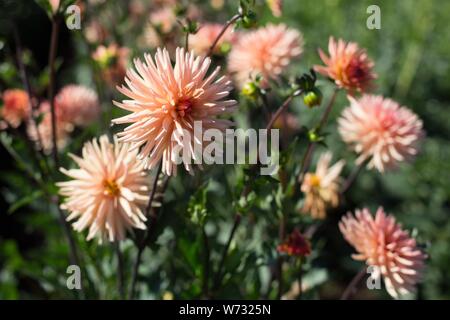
266,52
380,131
108,192
166,100
382,243
322,187
16,107
78,105
348,65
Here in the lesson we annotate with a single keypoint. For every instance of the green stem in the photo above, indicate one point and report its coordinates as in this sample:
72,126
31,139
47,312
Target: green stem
310,148
151,224
206,263
51,87
120,271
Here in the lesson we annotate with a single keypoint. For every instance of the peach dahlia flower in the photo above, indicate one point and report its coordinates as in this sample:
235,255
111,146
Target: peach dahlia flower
108,192
42,134
78,105
380,131
322,187
266,51
348,65
165,101
382,243
16,107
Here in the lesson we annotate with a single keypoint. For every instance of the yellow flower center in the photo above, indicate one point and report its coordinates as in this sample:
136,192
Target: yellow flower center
314,181
111,188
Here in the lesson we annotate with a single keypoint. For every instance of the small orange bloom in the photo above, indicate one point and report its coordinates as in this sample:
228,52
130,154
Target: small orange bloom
16,107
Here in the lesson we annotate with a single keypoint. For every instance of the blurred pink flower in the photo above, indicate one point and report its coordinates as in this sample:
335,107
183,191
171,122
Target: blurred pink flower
165,101
322,187
348,65
276,6
113,61
164,19
266,51
204,38
95,32
382,243
108,192
44,134
78,105
16,107
380,130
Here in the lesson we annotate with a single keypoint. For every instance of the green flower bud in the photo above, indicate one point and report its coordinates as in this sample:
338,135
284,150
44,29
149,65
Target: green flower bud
313,98
249,20
250,90
314,136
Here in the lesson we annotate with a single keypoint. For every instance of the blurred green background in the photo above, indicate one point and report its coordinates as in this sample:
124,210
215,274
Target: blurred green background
411,53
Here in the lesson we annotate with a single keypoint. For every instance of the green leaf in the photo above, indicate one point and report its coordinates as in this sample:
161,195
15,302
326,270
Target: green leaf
25,201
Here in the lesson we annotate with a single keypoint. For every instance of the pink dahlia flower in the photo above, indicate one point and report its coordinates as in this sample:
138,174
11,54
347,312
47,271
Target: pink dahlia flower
205,36
380,131
108,192
16,107
265,52
78,105
348,65
42,134
383,244
165,101
164,19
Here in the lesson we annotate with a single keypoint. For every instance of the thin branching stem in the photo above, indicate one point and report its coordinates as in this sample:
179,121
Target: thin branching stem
33,105
348,183
222,32
151,223
311,145
120,270
51,87
352,286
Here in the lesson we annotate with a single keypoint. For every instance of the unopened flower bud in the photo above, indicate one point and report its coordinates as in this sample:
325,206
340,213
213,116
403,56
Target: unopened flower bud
249,20
250,90
314,136
313,98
